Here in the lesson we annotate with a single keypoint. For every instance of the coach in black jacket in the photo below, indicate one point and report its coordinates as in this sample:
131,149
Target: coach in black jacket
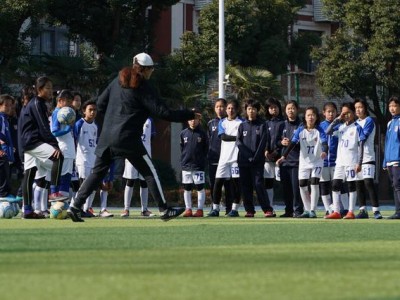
127,102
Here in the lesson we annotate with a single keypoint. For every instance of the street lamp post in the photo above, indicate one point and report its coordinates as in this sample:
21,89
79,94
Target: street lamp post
221,51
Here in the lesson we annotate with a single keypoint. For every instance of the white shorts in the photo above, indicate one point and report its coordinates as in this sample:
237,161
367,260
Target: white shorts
308,173
227,170
327,174
271,170
367,171
39,157
345,173
196,177
84,171
130,172
68,166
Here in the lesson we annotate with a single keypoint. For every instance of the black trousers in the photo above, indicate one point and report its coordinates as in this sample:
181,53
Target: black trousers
291,190
252,178
139,159
212,170
4,177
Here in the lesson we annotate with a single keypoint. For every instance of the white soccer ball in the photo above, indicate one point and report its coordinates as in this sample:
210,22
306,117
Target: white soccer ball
58,210
66,115
6,210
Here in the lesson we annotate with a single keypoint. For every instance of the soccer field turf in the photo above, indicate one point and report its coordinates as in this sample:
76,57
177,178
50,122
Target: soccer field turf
207,258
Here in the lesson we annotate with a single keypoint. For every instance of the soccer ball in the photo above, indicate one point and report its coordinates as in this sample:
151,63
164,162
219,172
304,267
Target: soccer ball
16,208
66,115
58,210
6,210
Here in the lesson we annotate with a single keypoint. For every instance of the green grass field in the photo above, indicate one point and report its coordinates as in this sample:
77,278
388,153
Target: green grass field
205,258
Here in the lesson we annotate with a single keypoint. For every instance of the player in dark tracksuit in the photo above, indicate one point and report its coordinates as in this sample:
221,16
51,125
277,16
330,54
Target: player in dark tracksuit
194,147
274,122
251,141
214,150
127,102
289,169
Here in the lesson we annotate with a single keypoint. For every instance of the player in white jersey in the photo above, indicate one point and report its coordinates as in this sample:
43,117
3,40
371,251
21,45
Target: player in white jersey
131,174
65,138
313,150
228,168
365,178
86,135
349,158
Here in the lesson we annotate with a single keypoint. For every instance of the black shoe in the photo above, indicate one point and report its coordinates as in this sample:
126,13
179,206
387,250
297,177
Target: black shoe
286,215
394,216
75,214
344,212
171,213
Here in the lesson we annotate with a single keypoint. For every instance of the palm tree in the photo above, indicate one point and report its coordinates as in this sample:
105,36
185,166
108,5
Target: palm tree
250,82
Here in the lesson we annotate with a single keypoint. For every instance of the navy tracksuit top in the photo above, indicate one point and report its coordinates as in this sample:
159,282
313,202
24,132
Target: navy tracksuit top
194,146
252,140
214,146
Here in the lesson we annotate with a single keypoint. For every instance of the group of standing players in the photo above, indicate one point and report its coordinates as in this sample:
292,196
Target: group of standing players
334,159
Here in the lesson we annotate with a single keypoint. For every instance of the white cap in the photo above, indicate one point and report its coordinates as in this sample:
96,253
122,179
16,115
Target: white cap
143,59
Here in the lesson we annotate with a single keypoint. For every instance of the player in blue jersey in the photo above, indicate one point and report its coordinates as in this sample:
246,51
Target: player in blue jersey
6,147
325,182
194,146
365,178
391,159
349,158
313,150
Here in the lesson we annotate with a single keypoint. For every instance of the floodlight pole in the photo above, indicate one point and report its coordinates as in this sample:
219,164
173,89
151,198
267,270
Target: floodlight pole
221,51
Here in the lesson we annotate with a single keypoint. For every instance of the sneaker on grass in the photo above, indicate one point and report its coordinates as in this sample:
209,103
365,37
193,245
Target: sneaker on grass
105,214
147,213
363,214
233,214
198,214
75,214
213,213
171,213
125,213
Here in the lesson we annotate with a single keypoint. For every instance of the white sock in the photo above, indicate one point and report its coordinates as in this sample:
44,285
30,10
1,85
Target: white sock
44,200
128,196
363,208
326,200
89,201
216,207
374,209
270,193
201,199
352,201
336,201
345,200
235,206
187,197
37,197
305,196
144,198
103,199
314,196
